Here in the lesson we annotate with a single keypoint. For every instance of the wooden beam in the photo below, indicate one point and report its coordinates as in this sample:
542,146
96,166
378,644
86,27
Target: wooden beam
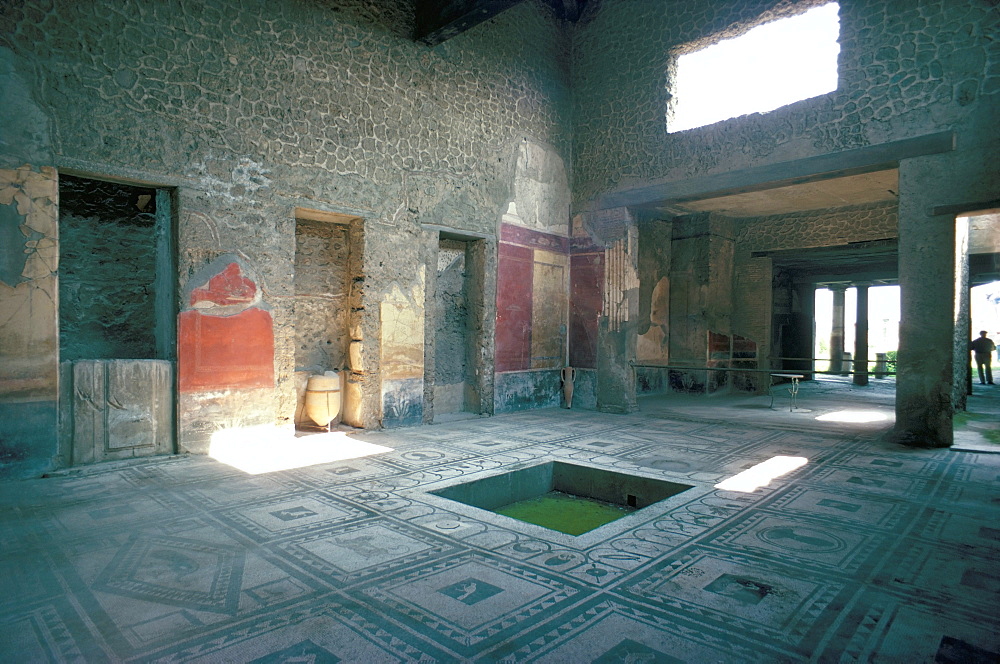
440,20
967,209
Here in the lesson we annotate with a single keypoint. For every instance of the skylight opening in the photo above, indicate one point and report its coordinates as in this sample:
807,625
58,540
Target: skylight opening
770,66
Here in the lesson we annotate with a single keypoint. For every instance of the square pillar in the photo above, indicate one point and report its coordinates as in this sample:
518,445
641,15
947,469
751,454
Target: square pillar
927,273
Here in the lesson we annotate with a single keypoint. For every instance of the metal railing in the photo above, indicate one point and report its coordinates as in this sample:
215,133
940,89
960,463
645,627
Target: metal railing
842,372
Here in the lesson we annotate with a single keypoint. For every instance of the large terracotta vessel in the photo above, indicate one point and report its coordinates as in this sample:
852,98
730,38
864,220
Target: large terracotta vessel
568,375
323,398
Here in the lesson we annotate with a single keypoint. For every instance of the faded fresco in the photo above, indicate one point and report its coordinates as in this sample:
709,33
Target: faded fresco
514,288
29,336
225,337
29,257
653,346
225,360
532,298
402,318
549,310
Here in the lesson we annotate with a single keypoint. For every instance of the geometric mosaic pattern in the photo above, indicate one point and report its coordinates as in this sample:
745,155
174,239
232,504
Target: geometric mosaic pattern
176,571
869,552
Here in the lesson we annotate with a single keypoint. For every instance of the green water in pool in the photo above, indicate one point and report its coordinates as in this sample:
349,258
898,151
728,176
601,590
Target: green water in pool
565,512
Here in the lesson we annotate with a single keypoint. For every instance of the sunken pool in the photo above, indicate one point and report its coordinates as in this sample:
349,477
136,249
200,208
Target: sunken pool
563,496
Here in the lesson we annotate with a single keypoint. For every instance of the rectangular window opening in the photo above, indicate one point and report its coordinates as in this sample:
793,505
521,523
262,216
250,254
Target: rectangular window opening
770,66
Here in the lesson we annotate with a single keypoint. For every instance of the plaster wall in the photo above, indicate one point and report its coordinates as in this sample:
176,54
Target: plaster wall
961,372
655,238
984,234
533,281
700,301
252,110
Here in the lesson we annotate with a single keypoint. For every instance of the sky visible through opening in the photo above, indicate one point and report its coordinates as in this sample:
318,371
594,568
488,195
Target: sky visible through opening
884,315
883,321
770,66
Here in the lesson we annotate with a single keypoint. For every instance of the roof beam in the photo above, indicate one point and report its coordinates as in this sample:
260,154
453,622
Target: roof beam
440,20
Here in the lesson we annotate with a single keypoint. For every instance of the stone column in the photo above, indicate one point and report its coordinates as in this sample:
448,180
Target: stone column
803,316
837,334
861,337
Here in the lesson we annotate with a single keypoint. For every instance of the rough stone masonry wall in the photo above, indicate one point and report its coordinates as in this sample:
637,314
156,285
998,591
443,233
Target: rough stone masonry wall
751,316
322,285
107,274
906,69
451,315
252,109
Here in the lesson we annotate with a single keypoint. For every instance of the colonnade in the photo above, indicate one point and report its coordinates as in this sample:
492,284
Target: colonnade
860,361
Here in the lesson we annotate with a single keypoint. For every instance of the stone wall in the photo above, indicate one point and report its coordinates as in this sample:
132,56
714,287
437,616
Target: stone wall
254,109
451,316
818,228
323,283
107,275
905,68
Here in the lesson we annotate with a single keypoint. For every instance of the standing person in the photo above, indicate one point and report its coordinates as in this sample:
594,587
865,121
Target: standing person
983,348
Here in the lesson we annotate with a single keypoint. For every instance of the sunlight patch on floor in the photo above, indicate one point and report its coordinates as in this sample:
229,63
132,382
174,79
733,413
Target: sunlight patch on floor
760,475
854,416
266,449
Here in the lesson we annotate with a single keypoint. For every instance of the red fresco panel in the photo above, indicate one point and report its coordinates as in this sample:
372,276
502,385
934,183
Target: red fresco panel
514,287
586,299
222,352
743,347
527,237
227,288
718,349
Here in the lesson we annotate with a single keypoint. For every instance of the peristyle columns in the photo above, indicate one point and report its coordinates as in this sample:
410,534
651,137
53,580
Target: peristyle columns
837,333
861,336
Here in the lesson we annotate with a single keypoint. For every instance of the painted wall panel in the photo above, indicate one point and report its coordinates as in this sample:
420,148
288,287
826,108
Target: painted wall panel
402,318
225,355
29,338
225,352
515,272
223,341
548,328
586,296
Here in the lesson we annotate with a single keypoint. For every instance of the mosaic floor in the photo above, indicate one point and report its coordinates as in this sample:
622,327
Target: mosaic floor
869,552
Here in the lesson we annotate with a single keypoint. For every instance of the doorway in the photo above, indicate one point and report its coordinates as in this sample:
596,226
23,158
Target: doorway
458,319
453,383
117,319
